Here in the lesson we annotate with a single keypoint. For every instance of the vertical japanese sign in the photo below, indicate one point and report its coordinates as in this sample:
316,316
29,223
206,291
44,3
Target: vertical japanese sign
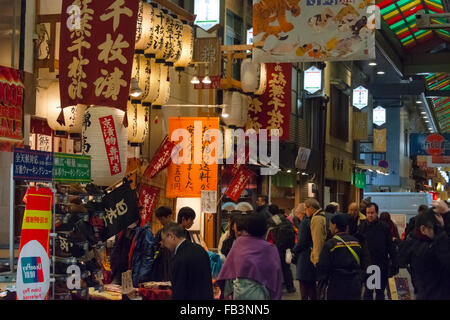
314,30
237,185
360,125
379,140
96,51
272,110
11,105
209,202
71,168
33,269
198,171
33,165
111,144
148,197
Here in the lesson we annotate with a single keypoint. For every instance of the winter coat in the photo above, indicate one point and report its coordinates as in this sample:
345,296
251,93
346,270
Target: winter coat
381,247
305,269
429,263
264,210
318,233
143,256
163,261
340,269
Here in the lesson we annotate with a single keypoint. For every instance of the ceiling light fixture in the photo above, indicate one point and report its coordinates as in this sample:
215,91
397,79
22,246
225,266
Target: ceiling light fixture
372,64
380,72
135,91
195,80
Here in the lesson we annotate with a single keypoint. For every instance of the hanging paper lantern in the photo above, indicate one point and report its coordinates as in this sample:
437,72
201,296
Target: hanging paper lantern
249,76
108,159
244,110
150,84
233,103
144,28
73,116
175,49
262,80
164,88
156,39
136,114
136,69
187,50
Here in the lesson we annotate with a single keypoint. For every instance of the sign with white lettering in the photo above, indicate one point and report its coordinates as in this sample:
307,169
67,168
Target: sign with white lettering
360,97
207,12
313,80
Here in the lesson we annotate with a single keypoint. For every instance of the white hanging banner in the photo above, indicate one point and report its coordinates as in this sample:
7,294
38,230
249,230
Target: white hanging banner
360,97
379,116
313,80
207,12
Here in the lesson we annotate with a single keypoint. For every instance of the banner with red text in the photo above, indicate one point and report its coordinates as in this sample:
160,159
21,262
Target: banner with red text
272,110
33,269
11,105
96,51
148,198
161,159
237,185
111,144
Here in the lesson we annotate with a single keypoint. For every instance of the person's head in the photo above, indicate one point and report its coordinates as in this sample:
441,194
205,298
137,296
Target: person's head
339,223
422,208
186,217
164,215
372,212
273,209
234,216
330,208
385,216
300,211
311,205
171,235
424,225
262,200
353,210
336,205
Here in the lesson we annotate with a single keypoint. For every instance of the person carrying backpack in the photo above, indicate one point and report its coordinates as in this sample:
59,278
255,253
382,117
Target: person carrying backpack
281,233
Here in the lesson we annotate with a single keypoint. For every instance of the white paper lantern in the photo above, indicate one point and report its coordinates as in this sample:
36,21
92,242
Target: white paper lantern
233,102
158,33
244,110
144,28
187,50
137,123
73,116
94,144
164,88
175,29
151,85
249,76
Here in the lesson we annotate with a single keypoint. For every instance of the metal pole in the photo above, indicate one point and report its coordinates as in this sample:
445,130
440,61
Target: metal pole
269,193
13,39
11,220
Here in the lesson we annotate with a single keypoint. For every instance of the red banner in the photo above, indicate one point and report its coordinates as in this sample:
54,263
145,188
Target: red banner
215,83
272,110
440,159
111,144
148,197
96,51
237,185
11,104
162,158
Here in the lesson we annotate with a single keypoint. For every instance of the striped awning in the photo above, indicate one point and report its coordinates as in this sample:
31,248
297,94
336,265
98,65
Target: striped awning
441,105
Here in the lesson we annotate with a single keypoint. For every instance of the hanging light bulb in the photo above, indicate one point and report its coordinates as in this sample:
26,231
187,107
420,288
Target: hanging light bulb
135,91
206,80
195,80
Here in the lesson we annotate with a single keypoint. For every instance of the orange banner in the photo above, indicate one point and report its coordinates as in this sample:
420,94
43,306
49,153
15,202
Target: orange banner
194,172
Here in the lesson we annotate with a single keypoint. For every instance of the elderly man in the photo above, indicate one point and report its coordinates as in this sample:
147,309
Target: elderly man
318,227
355,214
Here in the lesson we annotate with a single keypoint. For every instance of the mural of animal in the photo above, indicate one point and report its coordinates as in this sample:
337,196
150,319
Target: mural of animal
266,12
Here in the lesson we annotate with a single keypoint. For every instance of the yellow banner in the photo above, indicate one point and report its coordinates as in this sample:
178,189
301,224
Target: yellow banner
379,140
36,219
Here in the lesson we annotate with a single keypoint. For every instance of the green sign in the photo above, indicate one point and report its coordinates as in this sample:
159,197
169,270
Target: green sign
360,180
71,168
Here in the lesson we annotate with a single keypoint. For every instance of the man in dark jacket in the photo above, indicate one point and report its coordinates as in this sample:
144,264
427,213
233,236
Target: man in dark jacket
281,233
163,257
191,270
341,263
186,217
427,254
263,206
381,249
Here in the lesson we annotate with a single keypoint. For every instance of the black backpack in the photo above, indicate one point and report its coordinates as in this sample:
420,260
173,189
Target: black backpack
284,234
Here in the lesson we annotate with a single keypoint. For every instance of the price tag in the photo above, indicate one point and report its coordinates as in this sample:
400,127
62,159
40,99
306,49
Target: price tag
127,283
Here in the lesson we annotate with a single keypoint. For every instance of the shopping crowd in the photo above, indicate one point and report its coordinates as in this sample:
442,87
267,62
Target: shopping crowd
337,256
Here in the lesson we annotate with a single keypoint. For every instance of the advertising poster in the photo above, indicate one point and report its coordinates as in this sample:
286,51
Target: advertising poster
430,144
313,30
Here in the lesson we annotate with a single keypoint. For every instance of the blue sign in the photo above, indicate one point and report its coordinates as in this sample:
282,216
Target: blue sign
429,144
33,165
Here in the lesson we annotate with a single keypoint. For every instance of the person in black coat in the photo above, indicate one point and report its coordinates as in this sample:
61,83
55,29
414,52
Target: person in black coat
427,254
383,252
191,269
262,204
341,263
306,272
163,257
186,217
